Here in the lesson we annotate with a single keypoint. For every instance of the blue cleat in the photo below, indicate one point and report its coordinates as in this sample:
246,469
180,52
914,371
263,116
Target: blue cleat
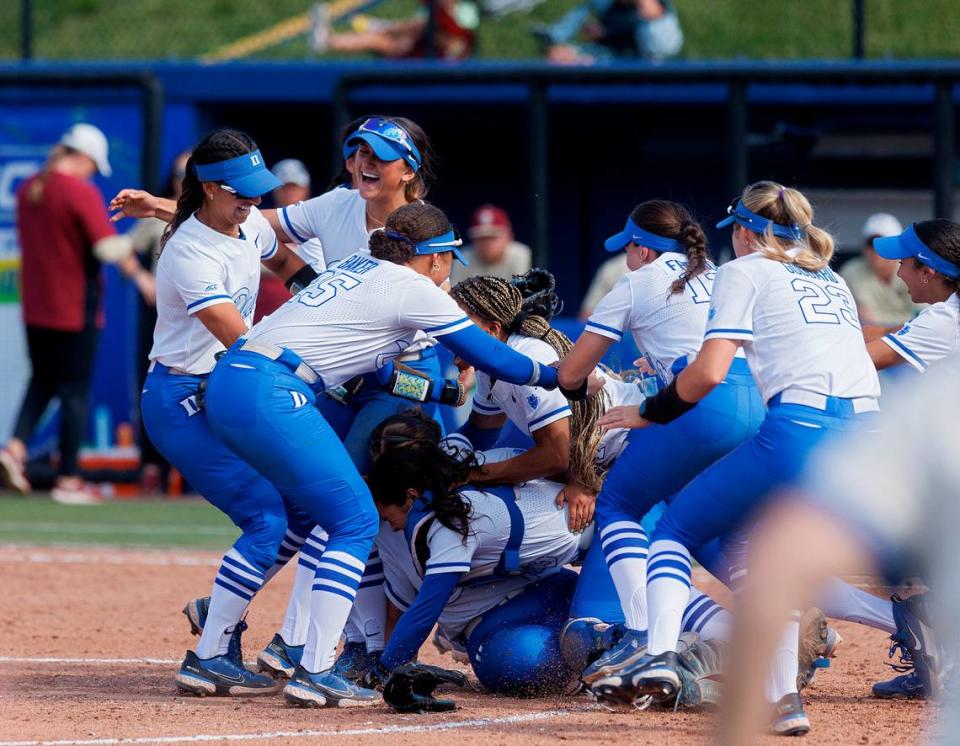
917,644
221,676
354,661
630,649
789,718
327,689
905,686
279,659
196,613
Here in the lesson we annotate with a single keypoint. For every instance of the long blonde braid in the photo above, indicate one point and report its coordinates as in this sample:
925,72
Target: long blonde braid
493,299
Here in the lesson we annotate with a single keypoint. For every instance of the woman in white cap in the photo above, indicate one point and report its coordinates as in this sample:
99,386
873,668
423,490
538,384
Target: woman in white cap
62,220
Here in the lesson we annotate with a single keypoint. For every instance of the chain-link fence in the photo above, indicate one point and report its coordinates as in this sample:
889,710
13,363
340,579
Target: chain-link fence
505,29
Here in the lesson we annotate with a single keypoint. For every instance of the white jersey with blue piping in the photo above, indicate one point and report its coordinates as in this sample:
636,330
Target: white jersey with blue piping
931,336
799,328
667,326
547,545
199,268
355,317
531,408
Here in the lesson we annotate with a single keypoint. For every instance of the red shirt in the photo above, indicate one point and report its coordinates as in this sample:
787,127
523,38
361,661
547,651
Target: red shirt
59,276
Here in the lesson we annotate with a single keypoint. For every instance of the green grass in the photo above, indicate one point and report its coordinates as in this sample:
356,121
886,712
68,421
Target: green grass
765,29
192,524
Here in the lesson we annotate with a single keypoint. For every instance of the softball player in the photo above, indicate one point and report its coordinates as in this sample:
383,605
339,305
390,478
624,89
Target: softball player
208,276
486,563
929,254
663,301
798,325
349,321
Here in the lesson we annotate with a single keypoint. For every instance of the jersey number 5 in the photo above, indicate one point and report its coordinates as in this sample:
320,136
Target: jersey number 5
325,288
825,304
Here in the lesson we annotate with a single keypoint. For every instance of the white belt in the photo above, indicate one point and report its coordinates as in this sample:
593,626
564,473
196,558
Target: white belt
819,401
407,357
171,371
270,351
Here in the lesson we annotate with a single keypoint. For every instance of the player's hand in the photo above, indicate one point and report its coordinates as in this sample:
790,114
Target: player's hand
625,416
580,506
467,377
595,383
643,366
133,203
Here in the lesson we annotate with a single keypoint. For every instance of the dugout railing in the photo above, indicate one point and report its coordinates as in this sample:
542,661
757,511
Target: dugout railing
941,78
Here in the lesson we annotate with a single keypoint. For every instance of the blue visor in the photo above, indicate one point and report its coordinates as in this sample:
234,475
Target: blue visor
753,222
633,232
908,244
350,145
449,241
246,174
388,140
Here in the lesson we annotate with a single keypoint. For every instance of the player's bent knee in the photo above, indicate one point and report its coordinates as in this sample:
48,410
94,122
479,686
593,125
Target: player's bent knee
521,661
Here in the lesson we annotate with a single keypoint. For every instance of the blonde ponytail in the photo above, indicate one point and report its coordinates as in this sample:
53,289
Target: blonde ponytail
789,207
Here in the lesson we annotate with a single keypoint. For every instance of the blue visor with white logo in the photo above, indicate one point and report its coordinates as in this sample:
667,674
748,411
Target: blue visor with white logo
388,140
908,244
738,213
449,241
247,175
641,237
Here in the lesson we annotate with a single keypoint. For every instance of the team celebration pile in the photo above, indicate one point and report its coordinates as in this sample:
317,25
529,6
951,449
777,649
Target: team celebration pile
519,541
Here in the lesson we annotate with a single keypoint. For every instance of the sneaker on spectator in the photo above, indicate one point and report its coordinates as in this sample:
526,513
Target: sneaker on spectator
74,491
13,471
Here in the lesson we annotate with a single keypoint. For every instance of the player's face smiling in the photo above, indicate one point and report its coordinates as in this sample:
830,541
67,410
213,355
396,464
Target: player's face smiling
224,211
377,178
912,273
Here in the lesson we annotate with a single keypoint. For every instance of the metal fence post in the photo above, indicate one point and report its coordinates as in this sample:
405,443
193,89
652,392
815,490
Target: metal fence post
152,131
859,28
26,29
430,34
944,149
538,150
341,116
737,136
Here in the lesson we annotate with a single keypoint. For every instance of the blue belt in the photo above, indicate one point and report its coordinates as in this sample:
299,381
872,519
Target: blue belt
739,367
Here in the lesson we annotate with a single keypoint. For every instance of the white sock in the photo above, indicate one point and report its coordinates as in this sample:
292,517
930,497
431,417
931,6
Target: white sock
706,617
782,679
668,591
625,546
235,585
289,546
334,589
369,612
294,629
840,600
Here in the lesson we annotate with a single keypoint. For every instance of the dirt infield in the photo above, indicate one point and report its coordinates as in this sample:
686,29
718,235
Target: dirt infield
90,640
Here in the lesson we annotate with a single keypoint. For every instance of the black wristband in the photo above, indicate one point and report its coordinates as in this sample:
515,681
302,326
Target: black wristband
451,393
666,406
300,279
577,394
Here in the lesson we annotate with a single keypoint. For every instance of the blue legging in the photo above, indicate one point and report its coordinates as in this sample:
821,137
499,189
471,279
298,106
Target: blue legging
183,435
515,649
265,414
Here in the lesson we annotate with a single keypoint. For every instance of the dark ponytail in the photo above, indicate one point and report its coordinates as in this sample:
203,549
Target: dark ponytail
219,145
673,220
406,226
430,471
943,237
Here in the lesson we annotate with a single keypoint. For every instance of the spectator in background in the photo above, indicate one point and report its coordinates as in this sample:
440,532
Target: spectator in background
606,277
455,36
139,268
295,188
882,297
61,219
492,250
622,29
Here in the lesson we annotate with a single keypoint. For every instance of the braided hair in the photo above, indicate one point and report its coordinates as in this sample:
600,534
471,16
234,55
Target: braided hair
219,145
426,469
525,306
673,220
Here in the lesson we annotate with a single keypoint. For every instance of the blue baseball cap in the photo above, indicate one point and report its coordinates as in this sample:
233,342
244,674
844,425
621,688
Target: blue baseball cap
449,241
388,140
246,174
738,212
633,232
908,244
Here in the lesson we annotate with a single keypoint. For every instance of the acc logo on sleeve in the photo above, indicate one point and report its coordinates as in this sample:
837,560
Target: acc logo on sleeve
533,401
712,313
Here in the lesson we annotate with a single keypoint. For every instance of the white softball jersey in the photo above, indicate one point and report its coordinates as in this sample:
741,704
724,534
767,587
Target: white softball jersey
337,218
931,336
531,408
354,318
665,325
800,329
199,268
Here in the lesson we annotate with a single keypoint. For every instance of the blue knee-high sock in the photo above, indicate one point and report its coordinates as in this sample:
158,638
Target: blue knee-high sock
596,595
236,584
368,617
625,545
668,591
288,548
706,617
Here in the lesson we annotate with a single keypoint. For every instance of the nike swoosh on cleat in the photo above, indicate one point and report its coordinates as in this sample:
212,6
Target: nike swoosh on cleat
231,679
